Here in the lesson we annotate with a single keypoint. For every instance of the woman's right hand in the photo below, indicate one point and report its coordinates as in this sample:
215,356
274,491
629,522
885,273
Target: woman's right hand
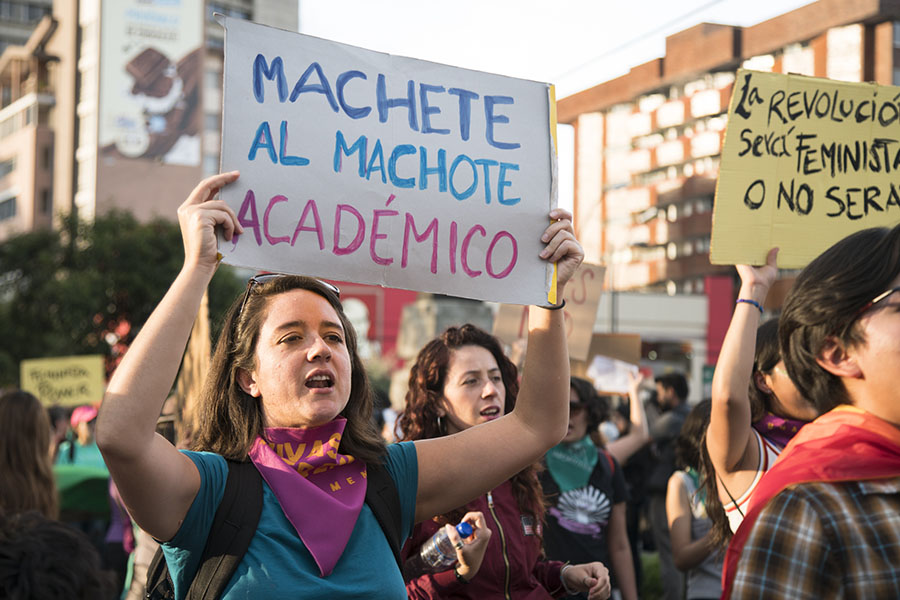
634,381
199,216
473,547
562,247
759,279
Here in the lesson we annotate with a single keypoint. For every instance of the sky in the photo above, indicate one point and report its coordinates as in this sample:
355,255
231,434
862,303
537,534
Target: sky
573,44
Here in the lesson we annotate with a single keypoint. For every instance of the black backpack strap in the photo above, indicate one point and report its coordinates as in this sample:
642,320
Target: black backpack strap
384,500
229,537
159,582
232,529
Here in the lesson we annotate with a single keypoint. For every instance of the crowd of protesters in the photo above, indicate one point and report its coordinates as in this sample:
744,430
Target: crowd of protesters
785,483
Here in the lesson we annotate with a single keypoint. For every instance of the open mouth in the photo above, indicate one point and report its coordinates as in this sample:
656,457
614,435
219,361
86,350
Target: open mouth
491,411
320,381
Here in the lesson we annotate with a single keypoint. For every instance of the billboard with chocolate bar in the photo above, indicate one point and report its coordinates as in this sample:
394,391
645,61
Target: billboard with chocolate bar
151,73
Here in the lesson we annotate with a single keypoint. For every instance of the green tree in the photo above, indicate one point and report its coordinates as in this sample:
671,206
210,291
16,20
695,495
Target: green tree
88,287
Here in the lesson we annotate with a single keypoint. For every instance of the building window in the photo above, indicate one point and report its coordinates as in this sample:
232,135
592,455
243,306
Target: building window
213,79
46,201
7,167
210,164
8,209
704,205
672,213
22,12
213,121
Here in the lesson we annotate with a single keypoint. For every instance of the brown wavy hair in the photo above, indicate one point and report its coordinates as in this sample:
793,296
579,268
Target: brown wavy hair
26,472
419,419
229,420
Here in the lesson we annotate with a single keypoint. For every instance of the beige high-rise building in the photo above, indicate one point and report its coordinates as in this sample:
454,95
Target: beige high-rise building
113,104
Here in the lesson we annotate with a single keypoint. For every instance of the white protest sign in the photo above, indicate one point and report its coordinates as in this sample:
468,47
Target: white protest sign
366,167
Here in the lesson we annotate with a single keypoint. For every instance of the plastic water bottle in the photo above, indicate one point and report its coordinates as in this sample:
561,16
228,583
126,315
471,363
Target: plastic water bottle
438,553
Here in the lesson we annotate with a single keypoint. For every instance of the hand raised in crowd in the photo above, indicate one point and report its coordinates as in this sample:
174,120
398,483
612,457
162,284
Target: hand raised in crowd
471,552
562,247
592,578
199,216
635,379
757,280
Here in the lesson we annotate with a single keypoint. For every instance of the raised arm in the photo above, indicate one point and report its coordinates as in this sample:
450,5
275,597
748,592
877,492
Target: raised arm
157,482
456,468
731,446
638,434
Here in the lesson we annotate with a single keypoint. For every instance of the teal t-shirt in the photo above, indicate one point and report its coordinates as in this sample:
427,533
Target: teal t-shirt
277,563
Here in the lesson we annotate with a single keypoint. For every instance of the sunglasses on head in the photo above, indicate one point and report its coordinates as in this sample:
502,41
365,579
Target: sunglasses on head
264,277
882,296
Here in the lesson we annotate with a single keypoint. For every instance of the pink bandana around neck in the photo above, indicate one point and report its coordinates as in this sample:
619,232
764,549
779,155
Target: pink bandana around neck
320,490
778,429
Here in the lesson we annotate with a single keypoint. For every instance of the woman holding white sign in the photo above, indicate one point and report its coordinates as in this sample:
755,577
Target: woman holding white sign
288,391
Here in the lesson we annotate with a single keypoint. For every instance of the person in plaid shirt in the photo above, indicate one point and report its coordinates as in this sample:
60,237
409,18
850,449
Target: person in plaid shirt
825,521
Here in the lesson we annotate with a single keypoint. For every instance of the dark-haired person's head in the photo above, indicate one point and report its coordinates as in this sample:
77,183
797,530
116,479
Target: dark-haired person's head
691,442
43,559
671,389
460,379
771,389
586,410
840,327
231,413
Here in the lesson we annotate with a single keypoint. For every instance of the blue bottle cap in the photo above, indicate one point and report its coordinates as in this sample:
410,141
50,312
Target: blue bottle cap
464,529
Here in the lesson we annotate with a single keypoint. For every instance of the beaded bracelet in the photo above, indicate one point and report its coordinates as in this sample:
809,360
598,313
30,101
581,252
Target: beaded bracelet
555,306
753,302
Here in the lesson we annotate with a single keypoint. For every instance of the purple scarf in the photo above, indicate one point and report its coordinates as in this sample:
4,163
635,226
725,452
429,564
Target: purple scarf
304,469
778,430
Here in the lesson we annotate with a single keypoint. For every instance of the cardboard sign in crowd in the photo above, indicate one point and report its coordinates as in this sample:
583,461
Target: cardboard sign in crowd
582,298
806,162
64,380
367,167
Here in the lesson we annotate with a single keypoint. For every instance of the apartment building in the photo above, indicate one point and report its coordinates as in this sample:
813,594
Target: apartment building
648,143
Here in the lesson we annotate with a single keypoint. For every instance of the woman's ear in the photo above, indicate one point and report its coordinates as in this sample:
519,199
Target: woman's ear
837,360
759,380
247,382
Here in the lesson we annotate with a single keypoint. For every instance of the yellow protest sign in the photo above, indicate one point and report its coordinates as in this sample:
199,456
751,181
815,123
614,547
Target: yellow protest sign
806,162
66,381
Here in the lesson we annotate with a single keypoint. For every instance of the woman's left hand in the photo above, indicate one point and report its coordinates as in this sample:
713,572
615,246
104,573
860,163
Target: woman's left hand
592,578
470,552
562,247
